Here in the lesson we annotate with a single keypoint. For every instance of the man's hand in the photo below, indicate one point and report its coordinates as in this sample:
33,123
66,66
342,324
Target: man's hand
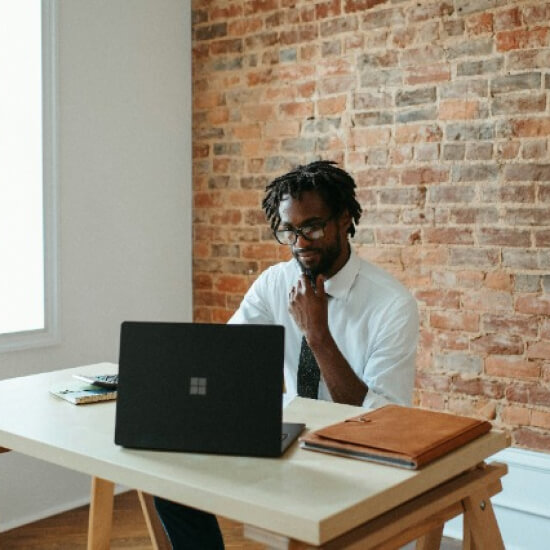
309,307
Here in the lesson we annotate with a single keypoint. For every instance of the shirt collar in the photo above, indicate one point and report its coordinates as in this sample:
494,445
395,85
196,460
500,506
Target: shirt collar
339,285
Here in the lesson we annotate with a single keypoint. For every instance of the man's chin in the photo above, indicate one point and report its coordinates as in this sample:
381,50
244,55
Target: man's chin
311,267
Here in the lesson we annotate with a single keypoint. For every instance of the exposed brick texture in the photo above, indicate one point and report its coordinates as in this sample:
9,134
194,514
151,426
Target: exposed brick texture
441,111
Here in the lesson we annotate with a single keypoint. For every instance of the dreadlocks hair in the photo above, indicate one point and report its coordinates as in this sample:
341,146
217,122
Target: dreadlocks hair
336,187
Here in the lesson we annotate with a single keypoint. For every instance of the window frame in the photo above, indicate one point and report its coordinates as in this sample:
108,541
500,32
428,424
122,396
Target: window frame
49,335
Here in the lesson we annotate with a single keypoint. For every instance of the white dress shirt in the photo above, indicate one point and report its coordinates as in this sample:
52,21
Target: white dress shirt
372,317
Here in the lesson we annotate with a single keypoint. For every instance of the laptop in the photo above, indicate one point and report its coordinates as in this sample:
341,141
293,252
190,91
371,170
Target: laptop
204,388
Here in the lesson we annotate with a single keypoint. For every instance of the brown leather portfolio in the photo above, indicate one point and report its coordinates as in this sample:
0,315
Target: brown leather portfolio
396,435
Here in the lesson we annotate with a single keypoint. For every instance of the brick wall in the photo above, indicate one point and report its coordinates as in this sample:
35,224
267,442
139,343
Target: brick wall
441,111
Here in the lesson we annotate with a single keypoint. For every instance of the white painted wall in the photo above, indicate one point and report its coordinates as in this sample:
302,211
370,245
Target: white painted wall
124,204
522,508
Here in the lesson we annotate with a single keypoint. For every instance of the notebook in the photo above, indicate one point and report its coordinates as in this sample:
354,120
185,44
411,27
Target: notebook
204,388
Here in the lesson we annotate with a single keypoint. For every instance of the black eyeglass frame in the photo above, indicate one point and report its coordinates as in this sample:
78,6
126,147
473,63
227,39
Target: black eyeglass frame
315,226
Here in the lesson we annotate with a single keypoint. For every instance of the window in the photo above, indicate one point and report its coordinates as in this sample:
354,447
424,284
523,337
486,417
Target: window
27,182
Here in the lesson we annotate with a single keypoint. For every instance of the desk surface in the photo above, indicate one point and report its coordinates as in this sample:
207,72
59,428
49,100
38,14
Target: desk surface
304,495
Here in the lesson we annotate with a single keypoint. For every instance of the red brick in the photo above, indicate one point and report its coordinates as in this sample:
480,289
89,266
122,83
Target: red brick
336,67
332,105
425,256
530,127
231,283
431,400
512,415
258,112
487,300
327,9
424,74
451,235
478,407
536,14
448,299
423,55
456,109
247,131
455,320
478,386
504,237
542,238
220,315
226,12
286,128
295,73
397,236
367,137
508,150
419,12
414,133
416,176
511,323
533,150
218,116
200,150
208,200
259,78
511,367
533,439
201,250
532,393
403,37
306,90
297,110
430,381
540,419
522,39
351,6
470,279
538,350
539,305
208,100
252,7
499,280
259,251
243,198
507,19
225,216
202,315
498,344
481,23
208,298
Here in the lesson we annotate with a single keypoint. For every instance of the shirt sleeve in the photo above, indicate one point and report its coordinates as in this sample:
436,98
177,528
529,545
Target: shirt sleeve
255,307
390,369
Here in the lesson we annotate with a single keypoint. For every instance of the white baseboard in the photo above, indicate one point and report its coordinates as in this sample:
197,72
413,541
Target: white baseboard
523,507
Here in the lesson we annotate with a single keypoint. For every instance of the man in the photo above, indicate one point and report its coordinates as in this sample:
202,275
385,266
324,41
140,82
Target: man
351,329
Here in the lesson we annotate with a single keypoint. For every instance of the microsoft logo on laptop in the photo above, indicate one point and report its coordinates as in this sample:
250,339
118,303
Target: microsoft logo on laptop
197,386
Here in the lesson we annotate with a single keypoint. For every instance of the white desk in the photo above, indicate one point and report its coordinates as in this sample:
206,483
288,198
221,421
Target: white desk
303,496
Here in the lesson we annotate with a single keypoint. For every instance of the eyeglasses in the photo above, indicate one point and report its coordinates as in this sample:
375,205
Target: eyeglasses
309,232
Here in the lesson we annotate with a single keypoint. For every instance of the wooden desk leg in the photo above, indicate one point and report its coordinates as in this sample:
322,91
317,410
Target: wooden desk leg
101,514
481,528
154,525
431,540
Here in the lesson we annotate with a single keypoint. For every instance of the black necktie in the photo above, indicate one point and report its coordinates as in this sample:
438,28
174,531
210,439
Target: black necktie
308,372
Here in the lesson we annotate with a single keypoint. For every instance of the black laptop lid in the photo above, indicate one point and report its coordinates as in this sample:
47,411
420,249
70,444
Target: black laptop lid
200,387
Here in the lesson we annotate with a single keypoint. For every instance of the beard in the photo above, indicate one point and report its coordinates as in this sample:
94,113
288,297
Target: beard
329,255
